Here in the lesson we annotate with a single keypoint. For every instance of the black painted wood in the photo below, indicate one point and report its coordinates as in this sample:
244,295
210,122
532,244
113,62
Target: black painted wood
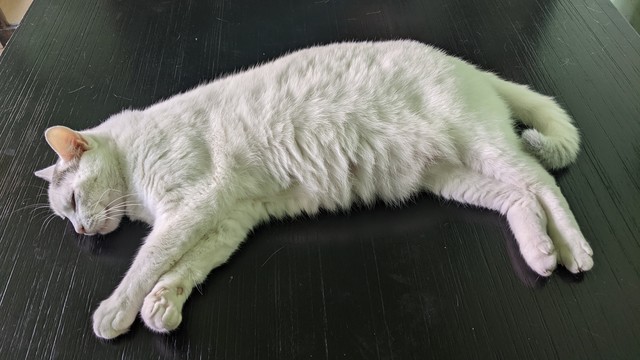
426,280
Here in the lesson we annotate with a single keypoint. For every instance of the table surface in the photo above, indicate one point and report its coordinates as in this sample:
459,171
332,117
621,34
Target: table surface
426,280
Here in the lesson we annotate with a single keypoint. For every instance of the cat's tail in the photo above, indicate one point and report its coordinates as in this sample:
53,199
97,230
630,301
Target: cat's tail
552,138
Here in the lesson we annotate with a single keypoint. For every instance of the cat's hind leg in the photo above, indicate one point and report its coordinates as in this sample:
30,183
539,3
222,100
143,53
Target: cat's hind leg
522,209
522,170
162,307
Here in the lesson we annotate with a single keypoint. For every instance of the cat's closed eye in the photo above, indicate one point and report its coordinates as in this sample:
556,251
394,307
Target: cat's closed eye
73,201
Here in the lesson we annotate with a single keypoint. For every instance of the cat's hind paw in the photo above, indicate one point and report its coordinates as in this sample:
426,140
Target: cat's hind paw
113,317
574,252
162,308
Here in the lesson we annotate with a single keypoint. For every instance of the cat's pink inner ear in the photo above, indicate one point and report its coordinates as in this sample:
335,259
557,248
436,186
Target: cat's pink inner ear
67,143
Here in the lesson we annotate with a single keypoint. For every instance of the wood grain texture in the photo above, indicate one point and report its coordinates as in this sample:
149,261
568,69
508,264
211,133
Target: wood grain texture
426,280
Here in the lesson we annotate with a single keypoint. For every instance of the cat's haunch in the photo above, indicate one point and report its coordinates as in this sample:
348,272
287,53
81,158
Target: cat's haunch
321,128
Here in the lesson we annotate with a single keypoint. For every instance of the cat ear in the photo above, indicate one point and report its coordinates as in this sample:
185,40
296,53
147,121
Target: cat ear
46,173
67,143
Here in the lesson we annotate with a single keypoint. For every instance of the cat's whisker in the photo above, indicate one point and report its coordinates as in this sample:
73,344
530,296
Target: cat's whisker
100,198
47,221
41,213
40,207
112,201
36,213
118,198
116,211
120,213
120,207
38,187
111,214
124,206
112,211
43,208
32,205
48,217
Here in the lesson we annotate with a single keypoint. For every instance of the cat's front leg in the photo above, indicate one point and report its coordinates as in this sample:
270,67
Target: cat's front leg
162,308
167,242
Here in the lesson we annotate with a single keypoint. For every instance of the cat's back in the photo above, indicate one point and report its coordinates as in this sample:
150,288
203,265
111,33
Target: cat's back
345,77
355,84
341,69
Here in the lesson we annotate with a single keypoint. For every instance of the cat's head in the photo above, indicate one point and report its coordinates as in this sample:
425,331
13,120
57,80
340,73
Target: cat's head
85,184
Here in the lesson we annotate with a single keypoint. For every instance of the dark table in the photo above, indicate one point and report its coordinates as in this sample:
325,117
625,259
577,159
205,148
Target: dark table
429,280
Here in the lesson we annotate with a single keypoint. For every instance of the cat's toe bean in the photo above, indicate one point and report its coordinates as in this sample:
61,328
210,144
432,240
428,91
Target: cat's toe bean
113,318
162,308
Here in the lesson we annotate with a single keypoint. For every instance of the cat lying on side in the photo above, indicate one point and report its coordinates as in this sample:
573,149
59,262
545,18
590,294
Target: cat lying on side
320,128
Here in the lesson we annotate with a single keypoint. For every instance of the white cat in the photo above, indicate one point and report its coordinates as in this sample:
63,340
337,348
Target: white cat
320,128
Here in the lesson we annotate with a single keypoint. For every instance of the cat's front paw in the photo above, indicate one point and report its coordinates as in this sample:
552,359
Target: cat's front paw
541,257
113,317
162,308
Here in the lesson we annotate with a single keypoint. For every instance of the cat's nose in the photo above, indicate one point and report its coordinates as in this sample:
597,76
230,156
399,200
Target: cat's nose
80,230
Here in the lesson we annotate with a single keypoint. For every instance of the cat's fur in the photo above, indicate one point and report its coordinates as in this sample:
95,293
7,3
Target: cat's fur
320,128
